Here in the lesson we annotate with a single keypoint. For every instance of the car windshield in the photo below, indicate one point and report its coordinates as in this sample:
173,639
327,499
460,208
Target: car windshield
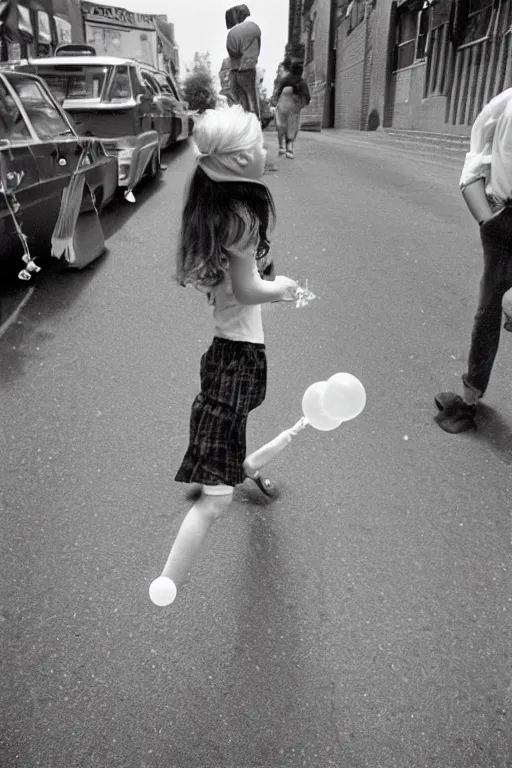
13,127
46,120
73,82
165,84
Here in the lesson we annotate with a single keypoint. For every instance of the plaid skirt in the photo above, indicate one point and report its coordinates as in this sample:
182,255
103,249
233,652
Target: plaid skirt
233,382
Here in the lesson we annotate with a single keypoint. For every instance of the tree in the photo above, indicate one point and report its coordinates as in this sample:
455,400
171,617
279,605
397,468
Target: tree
198,88
266,114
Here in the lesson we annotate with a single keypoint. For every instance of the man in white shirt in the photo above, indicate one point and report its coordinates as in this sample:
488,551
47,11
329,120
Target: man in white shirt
486,185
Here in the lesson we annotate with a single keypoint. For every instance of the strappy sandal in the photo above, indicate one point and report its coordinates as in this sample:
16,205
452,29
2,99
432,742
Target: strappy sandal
266,486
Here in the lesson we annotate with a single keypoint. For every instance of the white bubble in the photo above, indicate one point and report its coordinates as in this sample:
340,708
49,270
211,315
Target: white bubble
162,591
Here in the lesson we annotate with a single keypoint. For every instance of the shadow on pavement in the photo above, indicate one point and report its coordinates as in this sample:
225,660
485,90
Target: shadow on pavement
496,431
64,290
267,601
56,289
119,211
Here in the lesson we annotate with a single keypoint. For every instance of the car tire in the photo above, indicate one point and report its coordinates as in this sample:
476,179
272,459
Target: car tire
154,165
98,199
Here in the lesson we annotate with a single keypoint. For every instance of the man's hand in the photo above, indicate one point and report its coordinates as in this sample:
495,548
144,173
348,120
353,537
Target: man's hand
476,200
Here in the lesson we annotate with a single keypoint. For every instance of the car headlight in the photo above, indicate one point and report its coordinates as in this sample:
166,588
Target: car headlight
125,155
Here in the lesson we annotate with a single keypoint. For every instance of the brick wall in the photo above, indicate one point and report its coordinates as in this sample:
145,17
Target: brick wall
379,46
349,75
364,99
316,25
406,106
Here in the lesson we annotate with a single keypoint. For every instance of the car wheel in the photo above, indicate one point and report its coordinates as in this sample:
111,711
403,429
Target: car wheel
98,199
154,165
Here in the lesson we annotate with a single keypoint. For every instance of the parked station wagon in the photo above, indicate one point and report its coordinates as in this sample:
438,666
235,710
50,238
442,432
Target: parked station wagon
173,113
39,151
135,109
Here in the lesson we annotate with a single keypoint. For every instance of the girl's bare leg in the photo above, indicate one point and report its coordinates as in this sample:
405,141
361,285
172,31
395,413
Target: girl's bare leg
258,459
194,530
281,136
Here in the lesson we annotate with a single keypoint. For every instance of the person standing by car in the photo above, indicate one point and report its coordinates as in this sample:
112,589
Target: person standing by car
486,185
243,46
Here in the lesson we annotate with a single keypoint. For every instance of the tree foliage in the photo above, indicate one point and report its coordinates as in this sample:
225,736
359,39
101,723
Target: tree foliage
265,110
198,88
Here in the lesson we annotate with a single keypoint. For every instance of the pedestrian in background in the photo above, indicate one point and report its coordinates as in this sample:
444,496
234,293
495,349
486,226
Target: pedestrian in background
291,95
243,45
282,70
224,244
486,185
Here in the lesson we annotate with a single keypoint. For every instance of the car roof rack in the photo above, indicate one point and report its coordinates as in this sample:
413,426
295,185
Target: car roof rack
73,49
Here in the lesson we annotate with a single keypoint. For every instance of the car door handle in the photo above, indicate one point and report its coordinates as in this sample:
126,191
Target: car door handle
58,157
14,179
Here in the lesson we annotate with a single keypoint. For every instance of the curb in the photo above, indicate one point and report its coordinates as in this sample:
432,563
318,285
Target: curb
4,327
423,137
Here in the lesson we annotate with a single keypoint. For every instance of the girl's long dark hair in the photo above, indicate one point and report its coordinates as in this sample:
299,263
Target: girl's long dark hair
217,214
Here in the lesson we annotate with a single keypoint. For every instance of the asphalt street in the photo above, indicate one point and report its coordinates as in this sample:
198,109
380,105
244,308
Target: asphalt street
361,621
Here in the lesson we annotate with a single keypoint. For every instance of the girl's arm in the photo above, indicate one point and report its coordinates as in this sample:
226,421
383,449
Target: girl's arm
249,288
286,81
275,94
304,93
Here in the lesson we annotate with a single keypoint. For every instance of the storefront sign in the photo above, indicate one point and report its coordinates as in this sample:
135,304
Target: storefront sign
116,16
113,40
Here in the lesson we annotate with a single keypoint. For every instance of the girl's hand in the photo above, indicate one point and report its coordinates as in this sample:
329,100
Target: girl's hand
287,286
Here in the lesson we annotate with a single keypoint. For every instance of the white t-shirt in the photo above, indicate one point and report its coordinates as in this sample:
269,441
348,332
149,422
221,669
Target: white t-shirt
235,321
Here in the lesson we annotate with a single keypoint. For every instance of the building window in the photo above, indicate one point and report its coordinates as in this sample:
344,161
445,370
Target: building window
13,127
355,14
422,35
479,19
410,37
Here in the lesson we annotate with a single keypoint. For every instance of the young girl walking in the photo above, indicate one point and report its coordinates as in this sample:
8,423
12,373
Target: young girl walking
223,251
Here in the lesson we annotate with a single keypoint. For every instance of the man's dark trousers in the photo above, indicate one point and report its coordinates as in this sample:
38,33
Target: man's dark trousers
496,236
245,90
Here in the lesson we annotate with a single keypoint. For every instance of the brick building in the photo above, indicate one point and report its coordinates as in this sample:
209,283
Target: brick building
427,65
316,38
355,24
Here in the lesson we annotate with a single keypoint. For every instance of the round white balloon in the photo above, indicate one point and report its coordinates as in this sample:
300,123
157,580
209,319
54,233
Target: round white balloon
344,396
314,410
162,591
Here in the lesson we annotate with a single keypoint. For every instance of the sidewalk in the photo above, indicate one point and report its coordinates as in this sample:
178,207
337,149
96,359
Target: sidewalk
410,143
